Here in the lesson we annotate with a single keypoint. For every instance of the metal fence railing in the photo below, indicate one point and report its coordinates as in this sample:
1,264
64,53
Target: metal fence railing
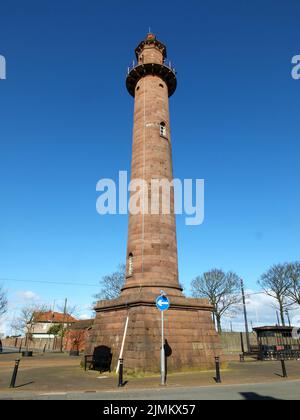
165,63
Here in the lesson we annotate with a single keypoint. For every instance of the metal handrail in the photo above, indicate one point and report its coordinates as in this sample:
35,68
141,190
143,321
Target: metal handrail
167,64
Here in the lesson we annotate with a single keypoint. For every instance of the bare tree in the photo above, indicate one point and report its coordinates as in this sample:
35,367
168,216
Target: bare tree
67,311
293,273
3,301
222,290
19,324
276,283
71,310
77,338
25,322
112,284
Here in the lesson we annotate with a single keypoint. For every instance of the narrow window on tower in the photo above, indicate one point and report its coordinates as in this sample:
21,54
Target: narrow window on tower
130,264
163,129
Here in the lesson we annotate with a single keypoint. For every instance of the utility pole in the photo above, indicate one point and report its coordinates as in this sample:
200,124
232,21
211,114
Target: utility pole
63,326
51,323
245,316
288,317
278,321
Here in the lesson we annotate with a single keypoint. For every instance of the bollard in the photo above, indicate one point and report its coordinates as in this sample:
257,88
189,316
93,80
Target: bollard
218,374
120,373
284,373
14,375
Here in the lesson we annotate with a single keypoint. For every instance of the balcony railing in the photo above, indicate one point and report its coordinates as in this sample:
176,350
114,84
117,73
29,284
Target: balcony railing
166,63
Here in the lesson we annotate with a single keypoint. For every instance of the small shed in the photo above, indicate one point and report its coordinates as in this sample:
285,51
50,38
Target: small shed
276,342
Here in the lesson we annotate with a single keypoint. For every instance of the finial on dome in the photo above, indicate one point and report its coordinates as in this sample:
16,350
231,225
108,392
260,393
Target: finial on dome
150,37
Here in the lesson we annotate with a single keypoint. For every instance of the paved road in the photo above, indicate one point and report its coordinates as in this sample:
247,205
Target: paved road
285,390
9,350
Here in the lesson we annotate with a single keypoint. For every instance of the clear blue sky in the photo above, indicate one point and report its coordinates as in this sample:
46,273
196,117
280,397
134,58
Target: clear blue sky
66,122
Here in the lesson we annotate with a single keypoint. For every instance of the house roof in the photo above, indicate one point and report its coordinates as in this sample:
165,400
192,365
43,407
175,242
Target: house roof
274,328
52,317
82,324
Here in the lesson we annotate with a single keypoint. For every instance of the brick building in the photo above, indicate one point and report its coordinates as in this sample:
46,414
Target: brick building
41,322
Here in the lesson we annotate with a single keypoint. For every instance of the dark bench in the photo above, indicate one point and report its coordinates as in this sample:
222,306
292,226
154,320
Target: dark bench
100,359
254,352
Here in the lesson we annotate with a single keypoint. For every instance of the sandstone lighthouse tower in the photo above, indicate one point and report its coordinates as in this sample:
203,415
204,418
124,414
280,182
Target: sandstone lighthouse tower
151,260
152,245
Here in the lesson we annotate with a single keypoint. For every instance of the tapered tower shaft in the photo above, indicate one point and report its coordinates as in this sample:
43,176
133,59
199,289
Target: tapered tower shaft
152,244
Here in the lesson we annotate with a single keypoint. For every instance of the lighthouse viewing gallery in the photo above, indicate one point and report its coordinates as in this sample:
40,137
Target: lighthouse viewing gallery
151,261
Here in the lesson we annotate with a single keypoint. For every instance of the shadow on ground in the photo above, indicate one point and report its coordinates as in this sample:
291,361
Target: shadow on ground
252,396
22,385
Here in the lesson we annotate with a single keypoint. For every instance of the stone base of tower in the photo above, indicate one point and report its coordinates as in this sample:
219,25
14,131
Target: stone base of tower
191,341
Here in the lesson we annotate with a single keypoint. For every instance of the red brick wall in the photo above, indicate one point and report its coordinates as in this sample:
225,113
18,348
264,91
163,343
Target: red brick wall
75,340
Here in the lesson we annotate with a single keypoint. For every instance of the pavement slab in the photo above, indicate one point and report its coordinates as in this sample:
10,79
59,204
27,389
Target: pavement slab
59,376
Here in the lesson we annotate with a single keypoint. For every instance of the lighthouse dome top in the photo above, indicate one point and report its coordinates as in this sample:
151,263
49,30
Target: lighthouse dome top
151,60
151,39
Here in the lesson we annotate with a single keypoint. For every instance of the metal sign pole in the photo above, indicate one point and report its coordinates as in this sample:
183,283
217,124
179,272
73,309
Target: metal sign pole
162,352
162,303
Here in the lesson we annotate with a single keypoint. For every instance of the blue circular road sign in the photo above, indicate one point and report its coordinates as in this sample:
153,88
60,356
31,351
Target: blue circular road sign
162,303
